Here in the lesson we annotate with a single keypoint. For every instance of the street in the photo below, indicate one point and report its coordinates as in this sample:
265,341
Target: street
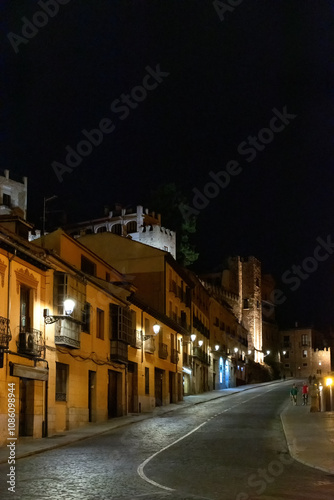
231,448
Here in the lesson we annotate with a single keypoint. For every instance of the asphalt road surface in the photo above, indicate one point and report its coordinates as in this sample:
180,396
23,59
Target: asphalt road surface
232,448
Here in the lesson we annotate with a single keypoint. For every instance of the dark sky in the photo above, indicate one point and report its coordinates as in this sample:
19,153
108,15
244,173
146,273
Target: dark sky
226,77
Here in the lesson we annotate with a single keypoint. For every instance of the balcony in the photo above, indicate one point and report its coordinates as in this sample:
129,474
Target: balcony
118,351
202,356
174,356
31,342
68,333
186,360
137,340
163,351
5,335
149,345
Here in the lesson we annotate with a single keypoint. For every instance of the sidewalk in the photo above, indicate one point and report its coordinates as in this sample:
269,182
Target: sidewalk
310,436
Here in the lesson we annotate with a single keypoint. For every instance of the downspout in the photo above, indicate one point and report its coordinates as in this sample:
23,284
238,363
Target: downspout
8,298
142,336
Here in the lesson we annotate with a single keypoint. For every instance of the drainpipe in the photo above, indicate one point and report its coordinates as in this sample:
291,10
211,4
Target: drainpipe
142,339
8,296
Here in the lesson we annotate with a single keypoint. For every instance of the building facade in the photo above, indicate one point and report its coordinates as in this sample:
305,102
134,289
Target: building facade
304,353
140,225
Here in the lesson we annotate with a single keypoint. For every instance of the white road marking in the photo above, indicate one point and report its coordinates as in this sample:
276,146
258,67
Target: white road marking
140,469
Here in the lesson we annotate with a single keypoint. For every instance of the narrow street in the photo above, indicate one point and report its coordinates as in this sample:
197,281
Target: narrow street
231,448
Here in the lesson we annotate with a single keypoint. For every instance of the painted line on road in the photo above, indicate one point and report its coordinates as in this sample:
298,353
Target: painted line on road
140,469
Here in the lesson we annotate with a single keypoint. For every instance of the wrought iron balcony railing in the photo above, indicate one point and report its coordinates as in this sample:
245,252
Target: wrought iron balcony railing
174,357
30,342
202,356
68,333
5,335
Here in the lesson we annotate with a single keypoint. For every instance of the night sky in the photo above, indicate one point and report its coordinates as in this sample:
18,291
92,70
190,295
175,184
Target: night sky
221,76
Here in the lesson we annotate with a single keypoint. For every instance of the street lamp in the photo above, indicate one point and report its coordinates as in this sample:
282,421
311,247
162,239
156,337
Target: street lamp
156,329
68,310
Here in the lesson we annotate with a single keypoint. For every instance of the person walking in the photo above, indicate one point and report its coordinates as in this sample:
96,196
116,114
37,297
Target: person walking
293,394
305,393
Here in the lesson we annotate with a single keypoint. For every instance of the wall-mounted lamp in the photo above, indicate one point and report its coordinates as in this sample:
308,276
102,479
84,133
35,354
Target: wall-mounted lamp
193,337
156,329
217,347
236,349
200,343
68,310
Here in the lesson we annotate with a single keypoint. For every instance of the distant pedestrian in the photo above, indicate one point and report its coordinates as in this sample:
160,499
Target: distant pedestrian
293,394
305,393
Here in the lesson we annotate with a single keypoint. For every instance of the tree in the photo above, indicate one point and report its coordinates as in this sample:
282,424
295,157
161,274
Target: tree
168,201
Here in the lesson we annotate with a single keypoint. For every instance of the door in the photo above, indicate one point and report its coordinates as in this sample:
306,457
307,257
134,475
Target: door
92,396
26,407
114,394
171,387
132,387
158,379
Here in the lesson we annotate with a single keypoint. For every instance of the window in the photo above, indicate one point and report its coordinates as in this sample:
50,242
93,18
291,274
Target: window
99,324
304,364
304,339
6,200
61,381
116,229
286,355
287,365
87,266
131,227
147,327
257,304
86,318
147,380
25,309
246,304
257,282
